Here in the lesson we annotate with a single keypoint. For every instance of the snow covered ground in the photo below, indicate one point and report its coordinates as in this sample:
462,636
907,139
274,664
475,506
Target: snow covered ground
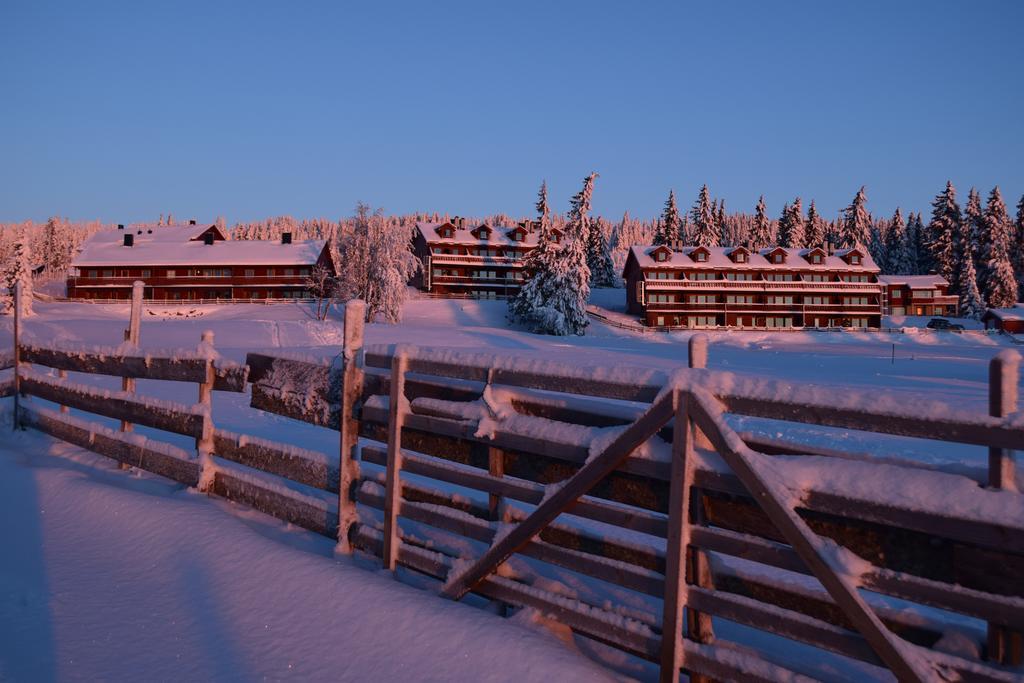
107,575
111,574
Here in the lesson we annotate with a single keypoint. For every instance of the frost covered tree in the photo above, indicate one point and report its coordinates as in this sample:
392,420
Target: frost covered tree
721,222
814,231
943,233
321,285
705,233
669,229
760,235
1017,249
378,264
18,269
599,256
973,234
856,225
898,248
917,239
791,226
997,282
554,299
542,268
971,305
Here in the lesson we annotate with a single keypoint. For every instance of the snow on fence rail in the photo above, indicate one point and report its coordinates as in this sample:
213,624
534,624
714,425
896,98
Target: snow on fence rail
459,450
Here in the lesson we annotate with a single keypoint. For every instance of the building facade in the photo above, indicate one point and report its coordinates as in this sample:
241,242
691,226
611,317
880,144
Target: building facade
481,262
1009,320
701,287
917,295
182,263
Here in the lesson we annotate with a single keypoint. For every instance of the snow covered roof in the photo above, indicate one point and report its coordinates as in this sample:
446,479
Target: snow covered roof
1004,314
495,235
914,281
719,258
179,246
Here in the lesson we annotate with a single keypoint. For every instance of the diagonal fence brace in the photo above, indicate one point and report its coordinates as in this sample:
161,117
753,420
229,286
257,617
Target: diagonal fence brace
738,456
596,469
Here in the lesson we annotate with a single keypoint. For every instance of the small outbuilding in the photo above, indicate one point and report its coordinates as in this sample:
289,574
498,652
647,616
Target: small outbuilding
1005,319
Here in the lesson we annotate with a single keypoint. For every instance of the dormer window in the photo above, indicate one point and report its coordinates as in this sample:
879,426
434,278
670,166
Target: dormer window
446,233
661,256
701,256
815,258
778,257
855,259
741,257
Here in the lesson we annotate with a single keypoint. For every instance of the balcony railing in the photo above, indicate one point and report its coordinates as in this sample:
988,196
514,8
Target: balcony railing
763,285
795,308
471,259
197,280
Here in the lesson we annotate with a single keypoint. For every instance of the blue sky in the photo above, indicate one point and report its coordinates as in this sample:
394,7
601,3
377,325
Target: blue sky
123,111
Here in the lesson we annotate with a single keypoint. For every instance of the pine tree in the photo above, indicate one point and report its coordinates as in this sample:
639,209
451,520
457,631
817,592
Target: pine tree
971,305
566,312
704,232
814,233
791,226
997,282
670,226
943,233
972,235
599,256
917,238
724,237
1017,249
540,267
877,245
760,235
898,247
19,270
856,222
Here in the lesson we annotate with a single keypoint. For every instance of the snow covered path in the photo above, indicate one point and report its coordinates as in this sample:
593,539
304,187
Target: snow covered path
107,575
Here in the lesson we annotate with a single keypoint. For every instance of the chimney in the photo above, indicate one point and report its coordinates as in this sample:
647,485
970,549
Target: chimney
129,240
829,248
192,221
208,239
120,226
286,238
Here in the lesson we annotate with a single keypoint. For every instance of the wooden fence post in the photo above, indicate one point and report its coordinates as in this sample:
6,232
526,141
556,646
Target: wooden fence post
204,444
17,354
678,540
495,468
393,481
131,336
1005,646
348,421
698,347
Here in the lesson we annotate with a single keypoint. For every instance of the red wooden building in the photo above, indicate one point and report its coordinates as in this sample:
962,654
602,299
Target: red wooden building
917,295
482,262
193,262
701,287
1009,320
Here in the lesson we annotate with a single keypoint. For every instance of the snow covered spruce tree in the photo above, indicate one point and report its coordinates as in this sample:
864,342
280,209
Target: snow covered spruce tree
1017,249
814,230
997,282
917,240
971,305
670,226
599,256
791,226
705,232
378,264
943,233
541,266
725,236
897,247
973,233
760,235
554,299
856,225
19,270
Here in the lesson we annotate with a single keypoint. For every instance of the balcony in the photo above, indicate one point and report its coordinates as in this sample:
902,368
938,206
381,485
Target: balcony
191,281
469,259
469,281
764,285
765,308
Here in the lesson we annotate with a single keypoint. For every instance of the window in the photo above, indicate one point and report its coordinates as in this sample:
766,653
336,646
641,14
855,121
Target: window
779,322
304,272
778,258
146,273
855,260
92,273
855,300
271,272
661,256
739,276
897,293
739,299
108,273
853,278
437,272
289,272
923,293
788,299
815,277
662,298
703,321
170,272
816,300
741,257
704,276
436,250
703,299
815,258
701,256
858,322
250,272
779,277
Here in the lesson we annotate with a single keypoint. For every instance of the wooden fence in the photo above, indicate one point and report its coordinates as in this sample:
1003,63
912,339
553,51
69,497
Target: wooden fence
494,475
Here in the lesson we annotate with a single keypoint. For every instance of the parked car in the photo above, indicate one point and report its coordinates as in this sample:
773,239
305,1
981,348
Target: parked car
943,324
